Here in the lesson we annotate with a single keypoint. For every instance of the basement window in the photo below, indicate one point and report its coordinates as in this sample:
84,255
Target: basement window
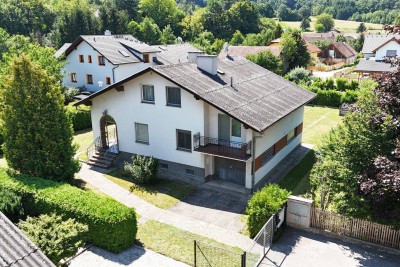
190,172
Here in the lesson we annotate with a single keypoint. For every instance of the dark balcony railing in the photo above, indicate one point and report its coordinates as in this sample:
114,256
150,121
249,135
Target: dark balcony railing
220,147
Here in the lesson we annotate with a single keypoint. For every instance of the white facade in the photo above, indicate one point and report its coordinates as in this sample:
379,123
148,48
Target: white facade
99,73
382,52
196,116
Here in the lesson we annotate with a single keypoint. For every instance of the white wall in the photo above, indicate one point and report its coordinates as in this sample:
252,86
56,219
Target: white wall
125,70
126,109
273,135
393,45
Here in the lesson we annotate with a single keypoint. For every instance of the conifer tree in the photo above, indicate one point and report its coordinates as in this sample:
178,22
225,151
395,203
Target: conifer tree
37,131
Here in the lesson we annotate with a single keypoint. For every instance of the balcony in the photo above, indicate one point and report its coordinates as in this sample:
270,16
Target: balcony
223,148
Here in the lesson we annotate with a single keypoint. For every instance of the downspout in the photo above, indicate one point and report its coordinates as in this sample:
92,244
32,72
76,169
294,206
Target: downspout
114,73
253,153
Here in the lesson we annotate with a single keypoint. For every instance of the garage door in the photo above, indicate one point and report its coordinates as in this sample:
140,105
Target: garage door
230,170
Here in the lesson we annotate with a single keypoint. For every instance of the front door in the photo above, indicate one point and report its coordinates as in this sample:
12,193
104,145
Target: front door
230,170
224,127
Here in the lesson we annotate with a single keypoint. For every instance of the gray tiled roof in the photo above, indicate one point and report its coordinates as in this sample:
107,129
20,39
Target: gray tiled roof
175,53
16,249
243,50
373,66
62,50
373,41
118,49
258,97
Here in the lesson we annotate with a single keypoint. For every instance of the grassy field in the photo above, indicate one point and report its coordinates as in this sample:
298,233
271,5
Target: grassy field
317,122
163,194
342,25
83,139
178,244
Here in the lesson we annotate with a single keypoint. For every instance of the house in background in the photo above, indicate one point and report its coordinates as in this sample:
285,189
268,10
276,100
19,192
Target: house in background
339,52
175,53
327,36
96,61
314,51
16,249
243,51
376,47
227,119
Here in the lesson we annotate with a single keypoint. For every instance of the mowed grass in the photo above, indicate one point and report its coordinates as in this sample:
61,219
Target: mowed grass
178,244
163,194
83,139
318,121
342,25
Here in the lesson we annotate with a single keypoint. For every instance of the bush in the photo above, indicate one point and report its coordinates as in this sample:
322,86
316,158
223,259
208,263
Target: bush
263,205
329,98
329,84
298,75
11,204
112,225
349,96
80,117
69,93
318,27
142,169
342,84
353,85
57,238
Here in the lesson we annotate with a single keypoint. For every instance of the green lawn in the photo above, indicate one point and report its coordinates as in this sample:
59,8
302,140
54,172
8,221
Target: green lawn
3,162
83,138
318,121
163,194
178,244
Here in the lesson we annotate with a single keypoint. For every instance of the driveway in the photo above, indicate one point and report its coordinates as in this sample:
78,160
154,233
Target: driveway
214,207
298,248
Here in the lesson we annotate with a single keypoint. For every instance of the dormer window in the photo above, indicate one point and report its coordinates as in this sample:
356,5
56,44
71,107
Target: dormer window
102,61
146,58
81,59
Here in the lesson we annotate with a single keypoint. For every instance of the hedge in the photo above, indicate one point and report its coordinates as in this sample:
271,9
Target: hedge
330,98
112,225
80,117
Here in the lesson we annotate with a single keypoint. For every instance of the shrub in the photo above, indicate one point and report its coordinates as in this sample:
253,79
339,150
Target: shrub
142,169
353,85
11,204
318,27
57,238
112,225
329,98
342,84
80,117
298,75
263,205
69,93
329,84
349,96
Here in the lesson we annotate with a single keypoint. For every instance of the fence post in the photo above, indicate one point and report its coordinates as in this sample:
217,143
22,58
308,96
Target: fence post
194,243
243,259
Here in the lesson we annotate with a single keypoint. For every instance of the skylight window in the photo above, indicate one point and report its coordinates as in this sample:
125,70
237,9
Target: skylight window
123,53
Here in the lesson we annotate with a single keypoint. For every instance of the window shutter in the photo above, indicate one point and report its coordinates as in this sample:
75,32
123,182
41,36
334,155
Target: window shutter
299,129
258,163
280,144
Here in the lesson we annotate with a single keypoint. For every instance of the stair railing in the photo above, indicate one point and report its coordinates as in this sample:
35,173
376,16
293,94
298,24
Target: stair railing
94,146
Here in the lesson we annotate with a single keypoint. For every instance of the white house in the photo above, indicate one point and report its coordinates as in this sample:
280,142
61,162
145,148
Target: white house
97,61
227,119
377,47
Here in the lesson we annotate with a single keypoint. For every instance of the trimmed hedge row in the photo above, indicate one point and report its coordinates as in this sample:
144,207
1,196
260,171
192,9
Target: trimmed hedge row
112,225
333,98
80,117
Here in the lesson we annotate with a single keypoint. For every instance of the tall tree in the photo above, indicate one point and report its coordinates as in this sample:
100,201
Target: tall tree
294,51
113,19
167,36
163,12
149,31
361,28
325,20
37,131
244,16
216,19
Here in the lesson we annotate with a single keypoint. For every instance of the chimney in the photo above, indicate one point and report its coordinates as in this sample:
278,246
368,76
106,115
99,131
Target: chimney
192,55
208,63
107,33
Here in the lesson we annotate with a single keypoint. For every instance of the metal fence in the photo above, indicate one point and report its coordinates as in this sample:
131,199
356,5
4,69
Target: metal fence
206,255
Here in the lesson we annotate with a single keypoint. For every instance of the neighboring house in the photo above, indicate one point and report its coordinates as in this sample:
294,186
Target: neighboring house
377,47
243,51
175,53
275,47
314,51
16,250
96,61
329,36
227,119
339,52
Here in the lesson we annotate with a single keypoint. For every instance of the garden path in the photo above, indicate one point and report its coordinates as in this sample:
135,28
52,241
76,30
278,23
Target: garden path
95,177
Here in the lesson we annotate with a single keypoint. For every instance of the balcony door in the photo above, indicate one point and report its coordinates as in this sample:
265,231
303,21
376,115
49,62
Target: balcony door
228,130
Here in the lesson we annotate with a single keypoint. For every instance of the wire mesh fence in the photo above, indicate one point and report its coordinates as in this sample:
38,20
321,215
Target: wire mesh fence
206,255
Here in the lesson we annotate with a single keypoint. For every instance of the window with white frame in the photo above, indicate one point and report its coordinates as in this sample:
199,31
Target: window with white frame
391,53
148,94
174,96
142,133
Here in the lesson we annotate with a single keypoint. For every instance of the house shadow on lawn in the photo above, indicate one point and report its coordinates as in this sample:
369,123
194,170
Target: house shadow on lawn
301,248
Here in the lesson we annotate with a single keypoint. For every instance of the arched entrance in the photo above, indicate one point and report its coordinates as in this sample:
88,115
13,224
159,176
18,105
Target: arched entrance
108,131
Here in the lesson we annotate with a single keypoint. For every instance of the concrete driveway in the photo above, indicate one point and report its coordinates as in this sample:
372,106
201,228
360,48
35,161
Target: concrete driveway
298,248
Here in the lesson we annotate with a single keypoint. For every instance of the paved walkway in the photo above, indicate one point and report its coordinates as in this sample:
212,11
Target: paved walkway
134,257
298,248
94,176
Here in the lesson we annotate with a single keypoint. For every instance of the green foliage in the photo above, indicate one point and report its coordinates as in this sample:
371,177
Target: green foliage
341,38
322,44
80,117
350,96
11,204
113,19
329,84
326,20
143,169
294,51
243,16
149,31
298,75
263,204
167,36
162,12
57,238
287,14
342,84
237,38
305,24
33,143
267,60
361,28
330,98
69,93
112,225
318,27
